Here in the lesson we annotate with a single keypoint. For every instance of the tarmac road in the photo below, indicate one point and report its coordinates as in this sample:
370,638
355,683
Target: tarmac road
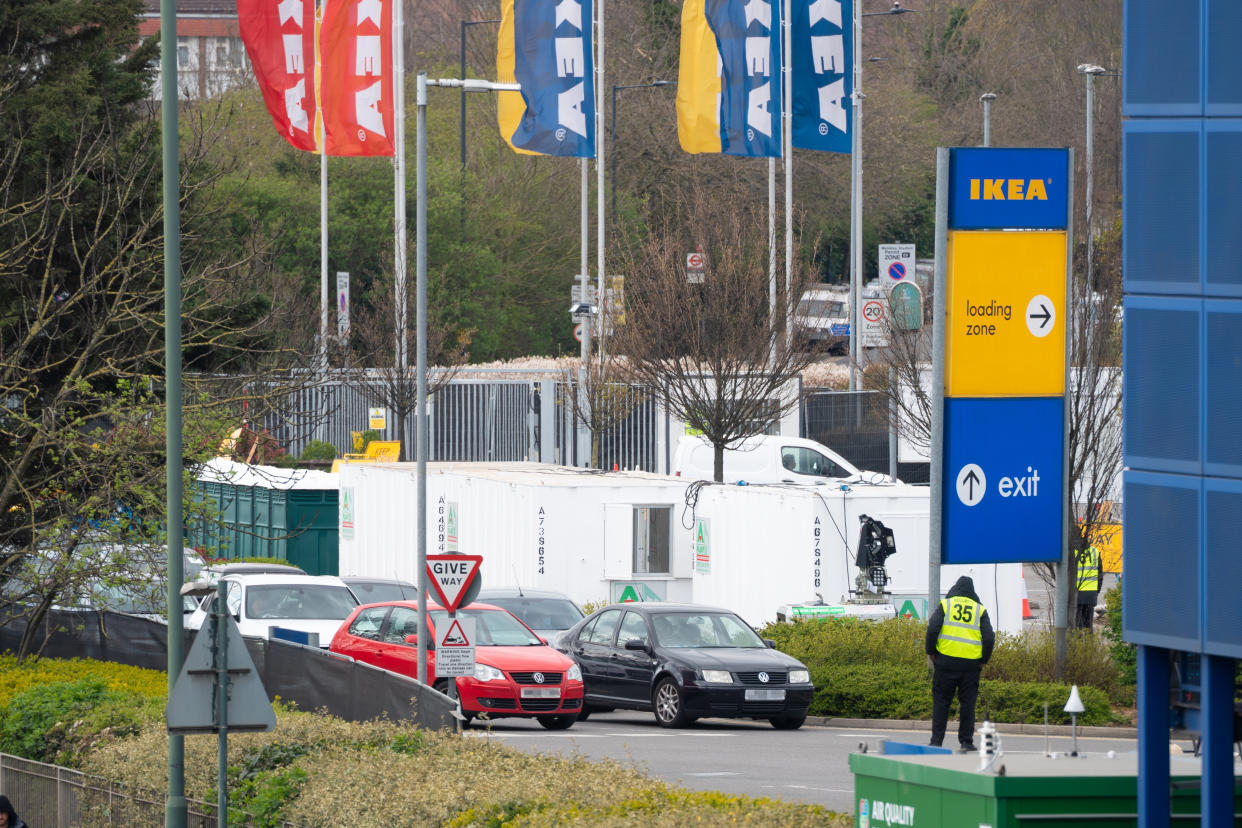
748,757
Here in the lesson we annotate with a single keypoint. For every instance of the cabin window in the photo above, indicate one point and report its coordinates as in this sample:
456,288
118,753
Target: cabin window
652,539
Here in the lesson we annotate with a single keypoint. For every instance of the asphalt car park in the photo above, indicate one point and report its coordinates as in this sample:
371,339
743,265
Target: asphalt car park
737,756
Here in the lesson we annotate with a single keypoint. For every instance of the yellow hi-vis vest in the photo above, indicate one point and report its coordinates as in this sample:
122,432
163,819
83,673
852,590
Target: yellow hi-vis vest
1089,570
960,636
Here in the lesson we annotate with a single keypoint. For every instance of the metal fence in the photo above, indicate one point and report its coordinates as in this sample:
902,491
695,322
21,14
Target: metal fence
472,419
51,796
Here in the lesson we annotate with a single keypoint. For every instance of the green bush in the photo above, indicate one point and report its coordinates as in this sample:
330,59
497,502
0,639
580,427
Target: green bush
1124,654
887,691
1031,656
319,450
39,672
60,722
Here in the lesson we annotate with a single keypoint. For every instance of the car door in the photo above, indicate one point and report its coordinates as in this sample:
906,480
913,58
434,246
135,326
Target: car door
593,652
399,655
362,636
635,668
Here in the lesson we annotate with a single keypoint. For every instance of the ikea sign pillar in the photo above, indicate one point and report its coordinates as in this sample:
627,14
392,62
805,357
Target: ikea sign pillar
999,476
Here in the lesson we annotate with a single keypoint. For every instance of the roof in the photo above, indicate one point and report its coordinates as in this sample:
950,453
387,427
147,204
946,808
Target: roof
224,470
194,8
514,592
284,579
535,474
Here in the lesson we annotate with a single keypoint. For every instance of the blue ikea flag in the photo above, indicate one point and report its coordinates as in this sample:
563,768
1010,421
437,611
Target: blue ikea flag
550,55
822,57
748,39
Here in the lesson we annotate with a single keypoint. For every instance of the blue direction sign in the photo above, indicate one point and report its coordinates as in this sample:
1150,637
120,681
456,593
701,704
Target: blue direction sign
1001,493
1006,188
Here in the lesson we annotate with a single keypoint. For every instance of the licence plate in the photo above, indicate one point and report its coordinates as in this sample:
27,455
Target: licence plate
764,694
541,692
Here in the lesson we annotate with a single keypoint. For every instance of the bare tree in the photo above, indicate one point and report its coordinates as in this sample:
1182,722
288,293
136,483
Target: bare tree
711,350
371,365
602,397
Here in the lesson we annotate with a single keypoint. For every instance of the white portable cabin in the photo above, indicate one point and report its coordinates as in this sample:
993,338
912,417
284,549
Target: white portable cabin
608,536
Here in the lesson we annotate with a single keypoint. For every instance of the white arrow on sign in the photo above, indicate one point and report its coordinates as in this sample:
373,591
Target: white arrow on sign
449,575
1041,316
972,484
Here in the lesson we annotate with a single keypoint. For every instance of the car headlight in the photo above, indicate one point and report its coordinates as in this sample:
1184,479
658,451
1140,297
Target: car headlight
718,676
484,672
799,676
574,673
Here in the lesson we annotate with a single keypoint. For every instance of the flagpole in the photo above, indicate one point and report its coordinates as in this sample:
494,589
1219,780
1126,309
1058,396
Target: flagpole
401,352
599,168
772,250
323,260
787,151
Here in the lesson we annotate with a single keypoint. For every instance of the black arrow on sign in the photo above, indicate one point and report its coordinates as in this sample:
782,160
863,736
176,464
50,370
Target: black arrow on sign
971,480
1046,315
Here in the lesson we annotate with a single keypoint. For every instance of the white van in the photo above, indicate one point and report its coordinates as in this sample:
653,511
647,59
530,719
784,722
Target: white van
770,459
824,313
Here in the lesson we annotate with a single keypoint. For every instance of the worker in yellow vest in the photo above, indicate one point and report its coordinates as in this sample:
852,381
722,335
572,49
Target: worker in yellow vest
959,642
1088,586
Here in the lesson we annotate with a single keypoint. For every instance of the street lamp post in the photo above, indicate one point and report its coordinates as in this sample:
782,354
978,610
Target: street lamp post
420,246
462,75
612,138
1090,70
987,98
856,257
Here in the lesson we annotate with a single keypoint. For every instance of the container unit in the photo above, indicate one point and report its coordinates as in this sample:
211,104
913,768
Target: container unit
268,512
776,545
639,536
537,526
1018,790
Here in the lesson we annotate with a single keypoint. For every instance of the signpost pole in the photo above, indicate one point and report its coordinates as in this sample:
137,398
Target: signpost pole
938,337
222,702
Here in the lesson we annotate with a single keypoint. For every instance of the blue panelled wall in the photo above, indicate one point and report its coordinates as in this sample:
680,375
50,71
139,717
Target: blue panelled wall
1182,208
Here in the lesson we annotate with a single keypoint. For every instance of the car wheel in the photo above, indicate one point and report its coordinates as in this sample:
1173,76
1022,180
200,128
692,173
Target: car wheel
557,722
584,713
787,722
667,701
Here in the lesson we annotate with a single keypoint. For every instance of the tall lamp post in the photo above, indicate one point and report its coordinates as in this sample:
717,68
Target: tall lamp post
856,257
420,245
612,138
462,76
986,98
1090,70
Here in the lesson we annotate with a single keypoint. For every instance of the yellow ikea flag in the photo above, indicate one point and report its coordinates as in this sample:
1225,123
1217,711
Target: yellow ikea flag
698,82
510,106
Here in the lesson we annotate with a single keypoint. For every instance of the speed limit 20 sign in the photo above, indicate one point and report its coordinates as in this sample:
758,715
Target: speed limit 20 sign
874,325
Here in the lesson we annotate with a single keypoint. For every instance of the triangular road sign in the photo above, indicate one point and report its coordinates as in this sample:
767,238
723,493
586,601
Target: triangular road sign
449,576
455,636
191,707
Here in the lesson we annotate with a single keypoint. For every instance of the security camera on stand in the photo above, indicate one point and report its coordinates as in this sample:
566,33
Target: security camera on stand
875,545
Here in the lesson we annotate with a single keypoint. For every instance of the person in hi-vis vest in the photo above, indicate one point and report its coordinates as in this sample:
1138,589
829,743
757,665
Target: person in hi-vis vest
959,642
1088,586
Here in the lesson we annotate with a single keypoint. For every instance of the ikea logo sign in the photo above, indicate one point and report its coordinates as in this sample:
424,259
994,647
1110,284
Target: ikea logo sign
1008,189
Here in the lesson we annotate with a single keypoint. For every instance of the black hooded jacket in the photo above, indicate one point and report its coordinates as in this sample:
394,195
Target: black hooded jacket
964,587
6,808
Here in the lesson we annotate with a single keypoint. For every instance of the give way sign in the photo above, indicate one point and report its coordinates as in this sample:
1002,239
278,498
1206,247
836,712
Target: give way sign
449,576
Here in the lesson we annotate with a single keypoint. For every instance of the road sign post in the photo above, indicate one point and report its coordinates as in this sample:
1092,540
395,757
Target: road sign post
1000,479
451,578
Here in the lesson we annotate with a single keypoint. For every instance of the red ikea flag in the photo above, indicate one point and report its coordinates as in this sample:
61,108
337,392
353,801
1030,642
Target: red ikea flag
356,82
280,41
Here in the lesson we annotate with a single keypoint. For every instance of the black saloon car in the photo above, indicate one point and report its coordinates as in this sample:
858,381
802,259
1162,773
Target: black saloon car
683,662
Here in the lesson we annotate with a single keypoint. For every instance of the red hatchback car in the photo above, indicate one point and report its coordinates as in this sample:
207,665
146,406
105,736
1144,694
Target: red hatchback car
516,673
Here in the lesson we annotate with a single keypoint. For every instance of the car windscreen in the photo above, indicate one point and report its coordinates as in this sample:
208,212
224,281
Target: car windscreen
302,601
495,628
374,592
704,629
541,613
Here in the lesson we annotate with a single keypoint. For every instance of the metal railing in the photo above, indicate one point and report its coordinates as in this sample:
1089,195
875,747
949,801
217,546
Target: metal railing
57,797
